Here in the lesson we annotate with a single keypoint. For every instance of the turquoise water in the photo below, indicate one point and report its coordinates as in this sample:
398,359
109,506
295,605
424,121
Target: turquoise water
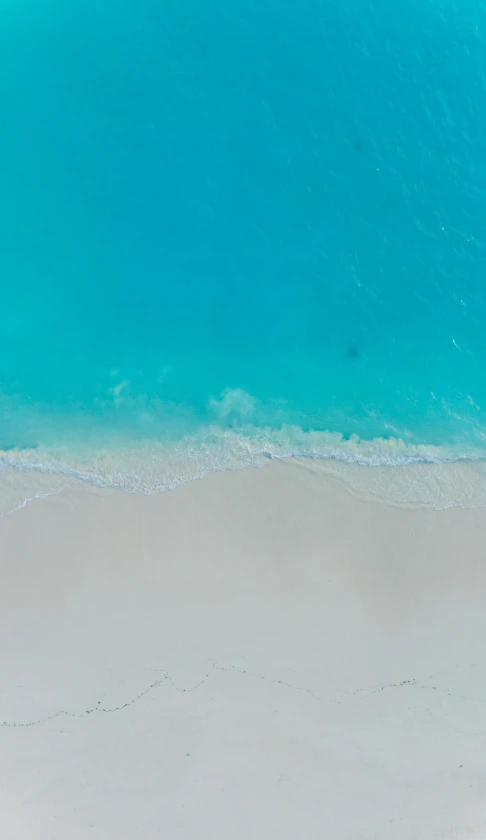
237,229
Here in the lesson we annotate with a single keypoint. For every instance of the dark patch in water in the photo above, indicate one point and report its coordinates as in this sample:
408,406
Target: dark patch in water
8,446
387,206
357,146
353,351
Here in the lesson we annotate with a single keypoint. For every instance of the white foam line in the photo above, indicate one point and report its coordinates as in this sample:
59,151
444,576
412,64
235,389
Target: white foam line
132,469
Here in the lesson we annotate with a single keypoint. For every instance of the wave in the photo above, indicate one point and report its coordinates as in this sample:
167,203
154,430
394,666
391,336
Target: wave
436,476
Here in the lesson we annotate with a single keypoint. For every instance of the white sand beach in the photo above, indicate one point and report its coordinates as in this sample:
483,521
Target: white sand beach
257,655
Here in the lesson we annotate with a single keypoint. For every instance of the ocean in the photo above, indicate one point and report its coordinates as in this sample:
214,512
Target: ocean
232,231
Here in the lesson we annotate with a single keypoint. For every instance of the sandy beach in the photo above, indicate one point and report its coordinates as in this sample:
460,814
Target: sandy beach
259,654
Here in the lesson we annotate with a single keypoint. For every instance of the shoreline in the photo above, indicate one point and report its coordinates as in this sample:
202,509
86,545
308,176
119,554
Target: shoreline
259,653
438,485
388,469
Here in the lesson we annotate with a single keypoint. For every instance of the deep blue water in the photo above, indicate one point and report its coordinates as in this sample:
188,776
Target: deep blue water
242,215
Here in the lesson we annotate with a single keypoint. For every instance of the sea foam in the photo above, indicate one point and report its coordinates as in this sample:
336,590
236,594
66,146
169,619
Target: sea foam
389,469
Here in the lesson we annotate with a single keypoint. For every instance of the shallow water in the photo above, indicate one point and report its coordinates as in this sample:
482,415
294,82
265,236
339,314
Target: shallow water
229,227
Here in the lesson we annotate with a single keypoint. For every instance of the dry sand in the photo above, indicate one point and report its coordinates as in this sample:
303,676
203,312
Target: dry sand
255,655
